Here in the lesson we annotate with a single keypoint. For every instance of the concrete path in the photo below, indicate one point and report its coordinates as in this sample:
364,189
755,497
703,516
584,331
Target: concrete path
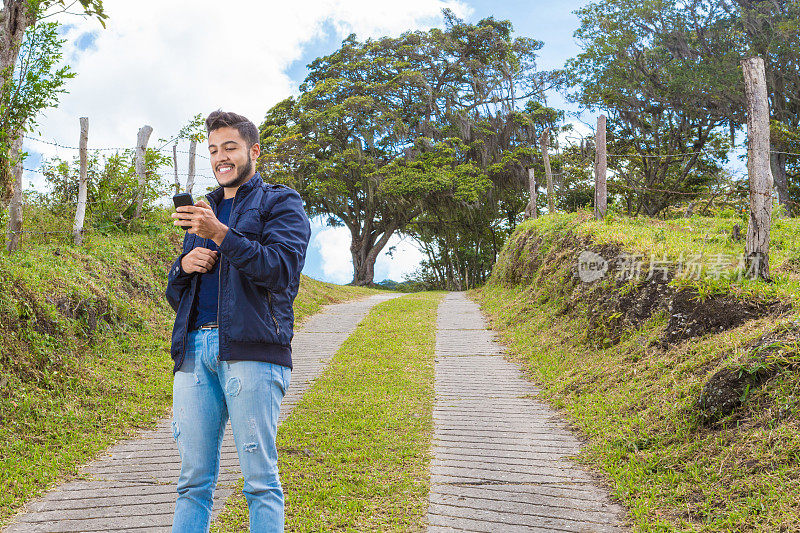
500,457
131,487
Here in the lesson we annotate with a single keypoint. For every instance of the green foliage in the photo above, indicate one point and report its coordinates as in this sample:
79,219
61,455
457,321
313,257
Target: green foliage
666,105
194,130
34,85
387,131
111,190
37,81
91,8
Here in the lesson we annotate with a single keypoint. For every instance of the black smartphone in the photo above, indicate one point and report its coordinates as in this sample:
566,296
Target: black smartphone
182,199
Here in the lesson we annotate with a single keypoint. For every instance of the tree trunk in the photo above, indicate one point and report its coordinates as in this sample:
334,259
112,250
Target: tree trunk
365,253
15,208
531,210
83,185
600,164
545,145
141,149
15,17
175,165
190,175
758,168
778,166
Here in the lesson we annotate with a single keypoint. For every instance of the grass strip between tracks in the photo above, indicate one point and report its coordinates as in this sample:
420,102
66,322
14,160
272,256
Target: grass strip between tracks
354,454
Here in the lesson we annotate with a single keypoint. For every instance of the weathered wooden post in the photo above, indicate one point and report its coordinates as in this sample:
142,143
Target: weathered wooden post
175,165
15,207
190,176
141,149
758,168
545,145
531,210
600,165
83,185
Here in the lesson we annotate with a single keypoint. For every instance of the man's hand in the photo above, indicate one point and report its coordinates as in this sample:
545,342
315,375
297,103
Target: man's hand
201,221
199,260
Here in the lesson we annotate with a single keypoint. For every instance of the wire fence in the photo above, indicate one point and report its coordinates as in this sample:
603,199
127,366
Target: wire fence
581,142
200,178
109,148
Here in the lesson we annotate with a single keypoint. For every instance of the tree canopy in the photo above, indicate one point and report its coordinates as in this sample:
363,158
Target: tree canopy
387,131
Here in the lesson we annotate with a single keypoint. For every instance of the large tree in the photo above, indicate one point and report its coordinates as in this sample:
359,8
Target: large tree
667,103
369,142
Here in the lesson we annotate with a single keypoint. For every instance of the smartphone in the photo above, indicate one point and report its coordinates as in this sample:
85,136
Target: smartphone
182,199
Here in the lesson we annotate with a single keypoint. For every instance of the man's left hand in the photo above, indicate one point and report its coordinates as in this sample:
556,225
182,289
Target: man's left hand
201,221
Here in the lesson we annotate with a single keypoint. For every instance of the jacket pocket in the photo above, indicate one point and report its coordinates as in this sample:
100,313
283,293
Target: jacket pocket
247,305
249,223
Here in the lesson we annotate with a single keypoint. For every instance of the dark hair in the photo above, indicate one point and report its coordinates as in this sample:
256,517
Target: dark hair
225,119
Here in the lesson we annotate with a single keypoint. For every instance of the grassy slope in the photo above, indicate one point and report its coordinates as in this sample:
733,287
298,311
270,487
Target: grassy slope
637,403
706,237
84,352
354,452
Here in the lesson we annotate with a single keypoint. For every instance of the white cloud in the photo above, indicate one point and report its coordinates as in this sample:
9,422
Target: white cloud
404,260
579,130
333,244
160,63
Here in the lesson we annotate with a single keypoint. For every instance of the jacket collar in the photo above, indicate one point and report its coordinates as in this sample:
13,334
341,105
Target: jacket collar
217,194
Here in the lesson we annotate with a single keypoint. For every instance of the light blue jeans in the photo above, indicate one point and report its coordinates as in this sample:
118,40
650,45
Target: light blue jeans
205,392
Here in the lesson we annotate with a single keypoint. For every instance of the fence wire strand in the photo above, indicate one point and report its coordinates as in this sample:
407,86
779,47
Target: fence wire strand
108,148
171,176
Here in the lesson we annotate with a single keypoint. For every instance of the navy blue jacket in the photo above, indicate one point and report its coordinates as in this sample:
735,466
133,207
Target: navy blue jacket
260,262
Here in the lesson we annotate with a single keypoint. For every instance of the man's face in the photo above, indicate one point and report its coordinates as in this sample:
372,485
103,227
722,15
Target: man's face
231,159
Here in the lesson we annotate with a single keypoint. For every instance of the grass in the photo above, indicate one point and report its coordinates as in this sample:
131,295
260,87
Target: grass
313,294
704,240
354,453
637,403
84,352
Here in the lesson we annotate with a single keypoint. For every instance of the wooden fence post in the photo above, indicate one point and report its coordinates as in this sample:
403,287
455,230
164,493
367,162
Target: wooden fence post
175,165
83,185
758,167
141,149
600,165
15,207
545,146
531,210
190,176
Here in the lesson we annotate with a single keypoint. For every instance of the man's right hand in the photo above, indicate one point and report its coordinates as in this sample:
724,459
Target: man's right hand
199,260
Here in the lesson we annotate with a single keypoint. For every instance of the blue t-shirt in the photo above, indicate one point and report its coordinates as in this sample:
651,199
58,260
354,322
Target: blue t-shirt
205,309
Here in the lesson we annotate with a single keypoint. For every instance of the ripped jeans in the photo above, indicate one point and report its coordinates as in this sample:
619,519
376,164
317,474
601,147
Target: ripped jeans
205,392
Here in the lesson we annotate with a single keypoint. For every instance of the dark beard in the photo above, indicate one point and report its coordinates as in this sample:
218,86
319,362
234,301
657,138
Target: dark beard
243,174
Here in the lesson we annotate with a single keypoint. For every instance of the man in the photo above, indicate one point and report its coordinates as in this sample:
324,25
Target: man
233,288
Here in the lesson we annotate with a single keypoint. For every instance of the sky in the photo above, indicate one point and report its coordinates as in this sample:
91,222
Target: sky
160,63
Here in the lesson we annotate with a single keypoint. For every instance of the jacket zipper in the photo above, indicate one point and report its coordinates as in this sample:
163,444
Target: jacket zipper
272,314
219,279
186,329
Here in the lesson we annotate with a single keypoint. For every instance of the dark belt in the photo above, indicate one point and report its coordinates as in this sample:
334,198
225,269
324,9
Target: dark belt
209,325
